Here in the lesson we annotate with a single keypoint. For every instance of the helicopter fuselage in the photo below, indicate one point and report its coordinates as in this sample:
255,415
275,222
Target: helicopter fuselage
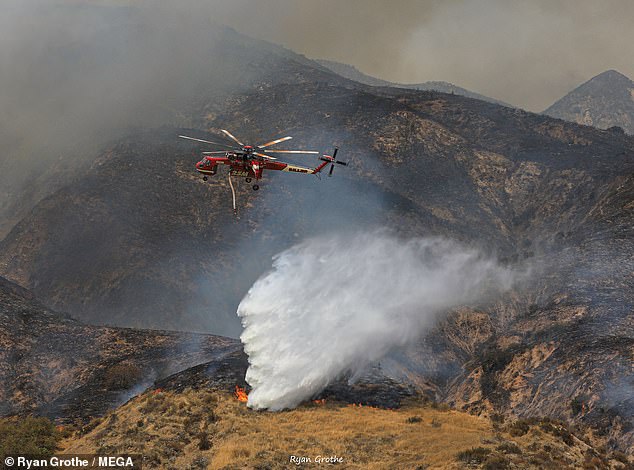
252,167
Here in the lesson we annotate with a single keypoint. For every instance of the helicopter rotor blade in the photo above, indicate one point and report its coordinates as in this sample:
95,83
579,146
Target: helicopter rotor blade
264,156
293,151
215,152
232,137
333,160
203,141
276,141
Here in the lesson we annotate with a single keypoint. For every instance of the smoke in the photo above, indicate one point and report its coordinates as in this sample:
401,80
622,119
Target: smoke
333,305
525,53
76,74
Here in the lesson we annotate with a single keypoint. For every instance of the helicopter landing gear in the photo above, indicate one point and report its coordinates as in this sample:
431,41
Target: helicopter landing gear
248,180
205,178
255,187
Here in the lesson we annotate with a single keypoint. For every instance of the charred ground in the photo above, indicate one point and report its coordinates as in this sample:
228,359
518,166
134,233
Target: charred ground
55,366
141,241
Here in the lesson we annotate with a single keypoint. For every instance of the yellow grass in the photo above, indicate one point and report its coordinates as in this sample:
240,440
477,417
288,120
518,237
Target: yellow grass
166,429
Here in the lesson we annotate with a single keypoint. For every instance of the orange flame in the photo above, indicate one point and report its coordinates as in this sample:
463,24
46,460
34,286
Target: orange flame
241,394
320,402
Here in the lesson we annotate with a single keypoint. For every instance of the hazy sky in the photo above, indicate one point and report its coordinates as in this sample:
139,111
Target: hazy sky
528,53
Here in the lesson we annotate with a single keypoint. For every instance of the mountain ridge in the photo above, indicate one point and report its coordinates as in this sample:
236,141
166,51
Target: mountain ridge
523,187
352,73
604,101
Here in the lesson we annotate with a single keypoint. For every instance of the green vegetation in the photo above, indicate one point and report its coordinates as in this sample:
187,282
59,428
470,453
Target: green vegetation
33,436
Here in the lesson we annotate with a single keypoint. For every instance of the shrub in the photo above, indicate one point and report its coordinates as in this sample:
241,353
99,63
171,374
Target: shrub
509,448
155,404
414,419
558,429
497,418
475,455
576,406
519,428
203,441
620,457
121,377
33,436
199,463
496,462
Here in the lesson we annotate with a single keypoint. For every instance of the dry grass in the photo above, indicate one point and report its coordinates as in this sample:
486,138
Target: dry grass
168,430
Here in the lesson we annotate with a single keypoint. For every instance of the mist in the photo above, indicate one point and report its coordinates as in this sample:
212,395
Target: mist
333,305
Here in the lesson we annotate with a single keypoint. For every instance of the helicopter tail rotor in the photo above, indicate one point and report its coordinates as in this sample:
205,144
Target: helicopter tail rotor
333,160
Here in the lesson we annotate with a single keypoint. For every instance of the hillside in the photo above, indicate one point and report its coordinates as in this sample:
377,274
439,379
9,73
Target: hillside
428,163
58,367
152,71
604,101
106,220
141,241
352,73
211,429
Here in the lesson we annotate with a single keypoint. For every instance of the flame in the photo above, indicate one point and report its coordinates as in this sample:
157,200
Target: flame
320,402
241,394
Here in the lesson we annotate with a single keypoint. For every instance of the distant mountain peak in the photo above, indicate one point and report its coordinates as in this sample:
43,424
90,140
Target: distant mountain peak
611,75
604,101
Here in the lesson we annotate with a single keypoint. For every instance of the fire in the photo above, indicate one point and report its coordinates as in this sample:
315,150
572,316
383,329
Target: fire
320,402
241,394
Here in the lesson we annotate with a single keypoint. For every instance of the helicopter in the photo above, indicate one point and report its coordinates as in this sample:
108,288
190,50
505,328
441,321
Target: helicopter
249,161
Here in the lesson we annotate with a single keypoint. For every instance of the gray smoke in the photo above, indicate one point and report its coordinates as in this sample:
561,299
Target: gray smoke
525,53
335,304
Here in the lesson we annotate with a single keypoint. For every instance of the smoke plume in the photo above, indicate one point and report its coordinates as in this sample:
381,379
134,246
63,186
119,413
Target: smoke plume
333,305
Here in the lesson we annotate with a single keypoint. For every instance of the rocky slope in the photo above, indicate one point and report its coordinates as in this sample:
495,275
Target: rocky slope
352,73
58,367
604,101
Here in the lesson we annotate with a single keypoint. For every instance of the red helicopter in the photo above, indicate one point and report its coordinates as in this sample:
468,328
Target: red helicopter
250,162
